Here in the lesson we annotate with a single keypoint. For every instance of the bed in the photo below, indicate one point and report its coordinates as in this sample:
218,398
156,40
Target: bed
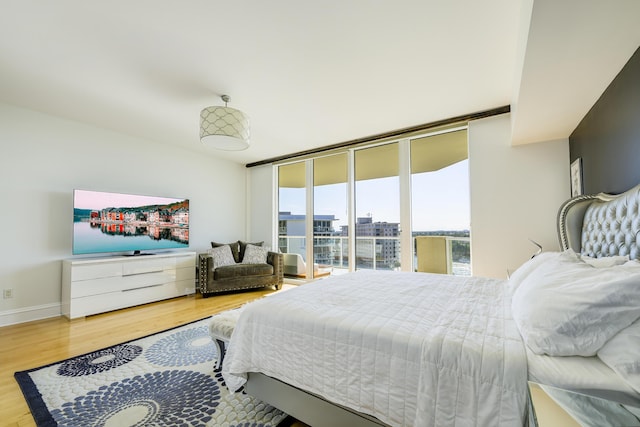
394,348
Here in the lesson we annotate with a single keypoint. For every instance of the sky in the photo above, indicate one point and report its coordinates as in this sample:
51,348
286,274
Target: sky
84,199
440,199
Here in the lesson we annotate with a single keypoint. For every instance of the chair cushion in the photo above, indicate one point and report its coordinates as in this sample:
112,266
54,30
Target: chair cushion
242,270
222,324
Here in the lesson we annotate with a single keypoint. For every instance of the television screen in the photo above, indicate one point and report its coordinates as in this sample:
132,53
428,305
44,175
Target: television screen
115,222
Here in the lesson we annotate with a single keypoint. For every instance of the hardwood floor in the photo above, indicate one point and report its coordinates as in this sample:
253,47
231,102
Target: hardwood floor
30,345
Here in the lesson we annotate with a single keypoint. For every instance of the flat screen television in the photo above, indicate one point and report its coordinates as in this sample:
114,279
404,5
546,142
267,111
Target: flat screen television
115,222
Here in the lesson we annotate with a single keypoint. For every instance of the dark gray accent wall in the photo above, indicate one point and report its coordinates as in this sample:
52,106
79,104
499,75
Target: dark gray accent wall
608,137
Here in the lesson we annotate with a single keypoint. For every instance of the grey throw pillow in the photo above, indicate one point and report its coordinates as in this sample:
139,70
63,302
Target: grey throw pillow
235,248
255,255
243,247
222,256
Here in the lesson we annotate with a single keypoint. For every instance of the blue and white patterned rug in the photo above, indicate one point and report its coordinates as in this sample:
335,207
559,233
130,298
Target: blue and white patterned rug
166,379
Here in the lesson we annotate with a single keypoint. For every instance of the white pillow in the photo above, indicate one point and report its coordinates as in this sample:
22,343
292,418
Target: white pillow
622,354
222,256
566,307
606,261
255,255
525,269
633,265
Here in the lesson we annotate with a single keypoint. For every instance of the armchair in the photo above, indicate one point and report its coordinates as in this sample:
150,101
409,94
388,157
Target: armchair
294,265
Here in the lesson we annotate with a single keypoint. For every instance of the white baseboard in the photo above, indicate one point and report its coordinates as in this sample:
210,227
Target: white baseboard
28,314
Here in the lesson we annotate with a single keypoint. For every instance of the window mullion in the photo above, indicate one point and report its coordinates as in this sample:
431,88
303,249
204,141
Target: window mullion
406,250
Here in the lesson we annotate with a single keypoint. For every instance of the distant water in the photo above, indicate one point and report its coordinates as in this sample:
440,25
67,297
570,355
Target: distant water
91,240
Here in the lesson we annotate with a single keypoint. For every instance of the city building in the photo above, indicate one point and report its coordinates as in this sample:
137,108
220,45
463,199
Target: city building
291,236
381,252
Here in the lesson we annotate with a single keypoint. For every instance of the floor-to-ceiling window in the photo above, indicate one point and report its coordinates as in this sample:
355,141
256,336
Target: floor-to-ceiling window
292,212
440,203
377,207
363,198
330,214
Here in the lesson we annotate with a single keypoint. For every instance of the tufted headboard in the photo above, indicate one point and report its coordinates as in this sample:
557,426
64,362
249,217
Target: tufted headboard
601,224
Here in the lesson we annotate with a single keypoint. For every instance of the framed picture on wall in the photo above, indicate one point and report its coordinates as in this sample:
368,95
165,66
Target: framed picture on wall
576,177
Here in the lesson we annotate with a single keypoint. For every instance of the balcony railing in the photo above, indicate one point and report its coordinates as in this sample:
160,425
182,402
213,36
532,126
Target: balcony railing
442,254
374,252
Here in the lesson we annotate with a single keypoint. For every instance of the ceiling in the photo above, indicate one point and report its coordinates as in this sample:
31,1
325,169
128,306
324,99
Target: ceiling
312,74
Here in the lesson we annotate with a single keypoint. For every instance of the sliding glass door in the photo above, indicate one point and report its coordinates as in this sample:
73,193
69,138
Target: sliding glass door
292,224
377,208
362,199
330,215
440,203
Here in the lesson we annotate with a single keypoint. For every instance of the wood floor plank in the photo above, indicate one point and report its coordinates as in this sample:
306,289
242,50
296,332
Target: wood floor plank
30,345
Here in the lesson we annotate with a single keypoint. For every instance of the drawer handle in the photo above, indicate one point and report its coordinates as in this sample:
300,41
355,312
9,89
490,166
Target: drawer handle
143,272
142,287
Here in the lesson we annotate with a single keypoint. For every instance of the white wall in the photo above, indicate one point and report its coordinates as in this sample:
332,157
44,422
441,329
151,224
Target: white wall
43,158
515,195
260,205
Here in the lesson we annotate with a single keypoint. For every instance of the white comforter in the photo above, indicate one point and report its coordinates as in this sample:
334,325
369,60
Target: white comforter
408,348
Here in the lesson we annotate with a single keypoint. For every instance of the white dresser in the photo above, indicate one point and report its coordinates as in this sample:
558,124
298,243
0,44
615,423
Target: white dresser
96,285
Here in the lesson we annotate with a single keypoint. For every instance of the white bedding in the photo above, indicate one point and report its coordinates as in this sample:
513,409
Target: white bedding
576,373
408,348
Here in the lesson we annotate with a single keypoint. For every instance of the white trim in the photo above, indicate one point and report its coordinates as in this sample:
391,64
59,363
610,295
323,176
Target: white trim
406,227
247,202
309,217
29,314
275,208
351,211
